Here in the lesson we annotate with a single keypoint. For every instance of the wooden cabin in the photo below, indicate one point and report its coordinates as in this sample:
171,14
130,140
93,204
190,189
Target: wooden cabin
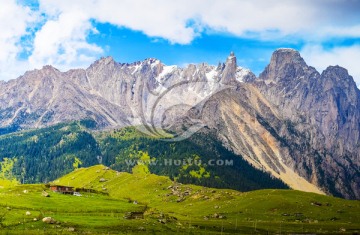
62,189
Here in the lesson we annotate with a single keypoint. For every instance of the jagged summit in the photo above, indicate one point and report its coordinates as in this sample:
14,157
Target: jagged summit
336,70
49,67
106,59
340,77
285,64
284,49
152,60
285,55
46,70
325,107
103,62
231,58
229,74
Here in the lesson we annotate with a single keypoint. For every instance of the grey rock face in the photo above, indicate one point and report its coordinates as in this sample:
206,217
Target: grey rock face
229,73
325,109
297,124
111,93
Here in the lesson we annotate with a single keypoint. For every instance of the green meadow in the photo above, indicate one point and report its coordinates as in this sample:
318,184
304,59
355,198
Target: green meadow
168,207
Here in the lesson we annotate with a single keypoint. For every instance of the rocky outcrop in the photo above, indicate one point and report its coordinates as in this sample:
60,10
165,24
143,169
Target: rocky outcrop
48,220
325,110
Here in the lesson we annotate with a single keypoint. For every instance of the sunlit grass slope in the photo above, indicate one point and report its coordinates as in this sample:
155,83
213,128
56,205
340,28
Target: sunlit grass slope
218,210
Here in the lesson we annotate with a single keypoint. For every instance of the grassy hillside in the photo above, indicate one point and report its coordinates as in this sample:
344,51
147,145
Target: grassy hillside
91,212
169,208
191,208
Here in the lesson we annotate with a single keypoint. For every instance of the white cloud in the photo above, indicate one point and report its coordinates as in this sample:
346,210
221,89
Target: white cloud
256,18
63,42
14,23
62,39
159,18
347,57
350,31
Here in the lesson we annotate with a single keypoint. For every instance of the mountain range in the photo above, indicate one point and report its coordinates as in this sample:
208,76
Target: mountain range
291,121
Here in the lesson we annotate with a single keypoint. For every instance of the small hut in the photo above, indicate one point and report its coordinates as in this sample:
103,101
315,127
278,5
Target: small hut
62,189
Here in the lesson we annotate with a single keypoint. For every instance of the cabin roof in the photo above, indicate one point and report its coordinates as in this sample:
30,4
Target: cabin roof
56,185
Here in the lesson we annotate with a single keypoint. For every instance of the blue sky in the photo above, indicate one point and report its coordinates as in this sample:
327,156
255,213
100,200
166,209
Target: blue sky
126,45
71,34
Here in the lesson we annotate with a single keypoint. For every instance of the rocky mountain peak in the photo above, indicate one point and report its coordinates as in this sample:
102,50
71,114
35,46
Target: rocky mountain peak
105,66
325,108
103,61
46,72
106,60
231,60
336,72
49,67
338,78
229,73
285,54
285,64
153,61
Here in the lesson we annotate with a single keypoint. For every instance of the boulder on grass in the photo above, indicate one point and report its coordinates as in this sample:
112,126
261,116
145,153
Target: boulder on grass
45,194
48,220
